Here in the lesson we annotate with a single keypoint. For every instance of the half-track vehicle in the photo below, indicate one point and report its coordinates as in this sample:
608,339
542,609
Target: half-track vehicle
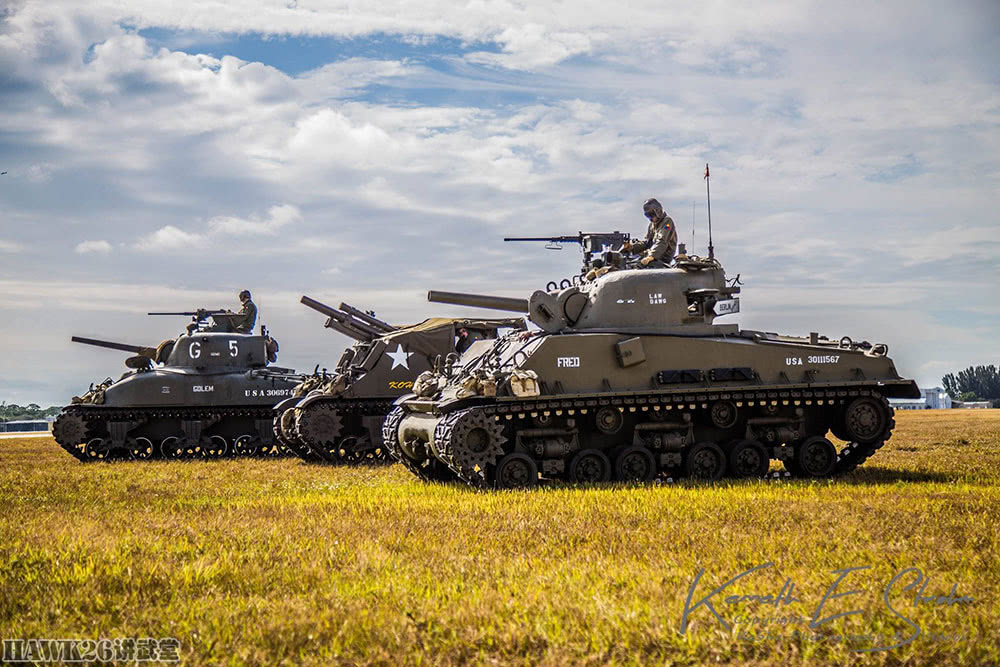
205,393
630,377
337,416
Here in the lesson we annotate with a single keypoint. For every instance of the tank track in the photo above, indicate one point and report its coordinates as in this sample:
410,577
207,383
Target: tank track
293,443
92,423
431,471
476,467
346,448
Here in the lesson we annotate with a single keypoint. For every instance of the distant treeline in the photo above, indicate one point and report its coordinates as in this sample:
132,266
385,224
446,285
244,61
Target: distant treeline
975,383
15,412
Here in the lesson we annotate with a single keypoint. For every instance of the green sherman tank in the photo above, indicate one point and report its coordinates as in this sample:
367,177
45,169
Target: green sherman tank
630,377
337,417
206,393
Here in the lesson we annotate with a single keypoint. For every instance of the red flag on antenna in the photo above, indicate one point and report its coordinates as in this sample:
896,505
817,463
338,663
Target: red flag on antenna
706,170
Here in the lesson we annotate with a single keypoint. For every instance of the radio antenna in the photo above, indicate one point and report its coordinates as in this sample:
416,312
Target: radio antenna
708,193
692,226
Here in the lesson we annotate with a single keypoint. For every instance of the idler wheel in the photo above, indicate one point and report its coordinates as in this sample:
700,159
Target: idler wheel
140,448
516,471
866,420
318,424
748,458
246,445
635,463
724,414
705,461
589,466
609,420
816,457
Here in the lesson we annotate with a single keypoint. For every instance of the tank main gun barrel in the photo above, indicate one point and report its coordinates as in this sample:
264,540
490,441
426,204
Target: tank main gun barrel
480,301
134,349
385,327
342,322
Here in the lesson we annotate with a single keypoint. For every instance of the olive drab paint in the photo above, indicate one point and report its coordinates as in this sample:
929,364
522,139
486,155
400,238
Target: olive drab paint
631,377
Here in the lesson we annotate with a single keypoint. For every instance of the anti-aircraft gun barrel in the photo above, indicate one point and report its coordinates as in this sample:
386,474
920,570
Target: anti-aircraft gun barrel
134,349
385,327
342,322
479,301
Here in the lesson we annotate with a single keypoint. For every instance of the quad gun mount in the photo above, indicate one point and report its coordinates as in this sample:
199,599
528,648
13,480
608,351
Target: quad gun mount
599,249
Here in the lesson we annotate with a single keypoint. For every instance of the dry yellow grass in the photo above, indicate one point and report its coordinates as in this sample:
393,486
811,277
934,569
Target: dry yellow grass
280,561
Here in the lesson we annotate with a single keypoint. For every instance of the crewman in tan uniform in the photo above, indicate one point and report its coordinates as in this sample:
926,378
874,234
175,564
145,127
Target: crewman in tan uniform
658,247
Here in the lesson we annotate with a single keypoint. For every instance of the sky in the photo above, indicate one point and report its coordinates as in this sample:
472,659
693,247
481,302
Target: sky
163,156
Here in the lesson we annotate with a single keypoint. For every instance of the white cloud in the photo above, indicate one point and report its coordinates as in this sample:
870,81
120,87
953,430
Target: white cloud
170,238
98,247
10,246
277,217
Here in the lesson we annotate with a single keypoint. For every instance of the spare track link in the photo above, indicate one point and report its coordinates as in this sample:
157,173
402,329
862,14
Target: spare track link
142,415
849,458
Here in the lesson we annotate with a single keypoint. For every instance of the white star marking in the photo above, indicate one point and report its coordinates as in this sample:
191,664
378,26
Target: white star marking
399,357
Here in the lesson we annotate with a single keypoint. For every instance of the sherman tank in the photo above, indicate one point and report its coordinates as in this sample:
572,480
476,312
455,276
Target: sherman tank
207,393
629,377
337,416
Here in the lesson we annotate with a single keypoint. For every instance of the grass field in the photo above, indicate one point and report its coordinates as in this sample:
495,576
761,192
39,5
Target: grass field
281,561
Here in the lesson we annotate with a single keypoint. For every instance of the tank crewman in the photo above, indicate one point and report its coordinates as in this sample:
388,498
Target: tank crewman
661,238
466,338
243,321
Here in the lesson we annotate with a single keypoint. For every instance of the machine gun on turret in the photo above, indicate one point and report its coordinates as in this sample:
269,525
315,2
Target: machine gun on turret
600,249
198,317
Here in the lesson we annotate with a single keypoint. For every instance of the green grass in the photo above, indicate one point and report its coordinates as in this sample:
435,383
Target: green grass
281,561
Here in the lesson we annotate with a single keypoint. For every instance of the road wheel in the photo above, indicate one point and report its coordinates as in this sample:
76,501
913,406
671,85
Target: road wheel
635,463
589,466
748,458
816,457
705,461
516,471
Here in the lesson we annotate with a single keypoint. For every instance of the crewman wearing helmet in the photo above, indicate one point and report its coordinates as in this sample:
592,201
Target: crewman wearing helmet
658,248
243,321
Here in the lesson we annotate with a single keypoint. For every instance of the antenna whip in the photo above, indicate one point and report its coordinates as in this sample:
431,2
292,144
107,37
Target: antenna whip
708,193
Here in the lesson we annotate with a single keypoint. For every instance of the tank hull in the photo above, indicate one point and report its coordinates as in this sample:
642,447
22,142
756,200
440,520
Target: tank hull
629,407
214,398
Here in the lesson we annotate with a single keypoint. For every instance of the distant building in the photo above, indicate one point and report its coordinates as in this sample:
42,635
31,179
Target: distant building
25,425
973,405
935,398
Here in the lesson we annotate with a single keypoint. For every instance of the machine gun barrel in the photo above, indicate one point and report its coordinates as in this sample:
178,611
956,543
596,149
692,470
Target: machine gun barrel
546,239
385,327
479,301
134,349
342,322
206,313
